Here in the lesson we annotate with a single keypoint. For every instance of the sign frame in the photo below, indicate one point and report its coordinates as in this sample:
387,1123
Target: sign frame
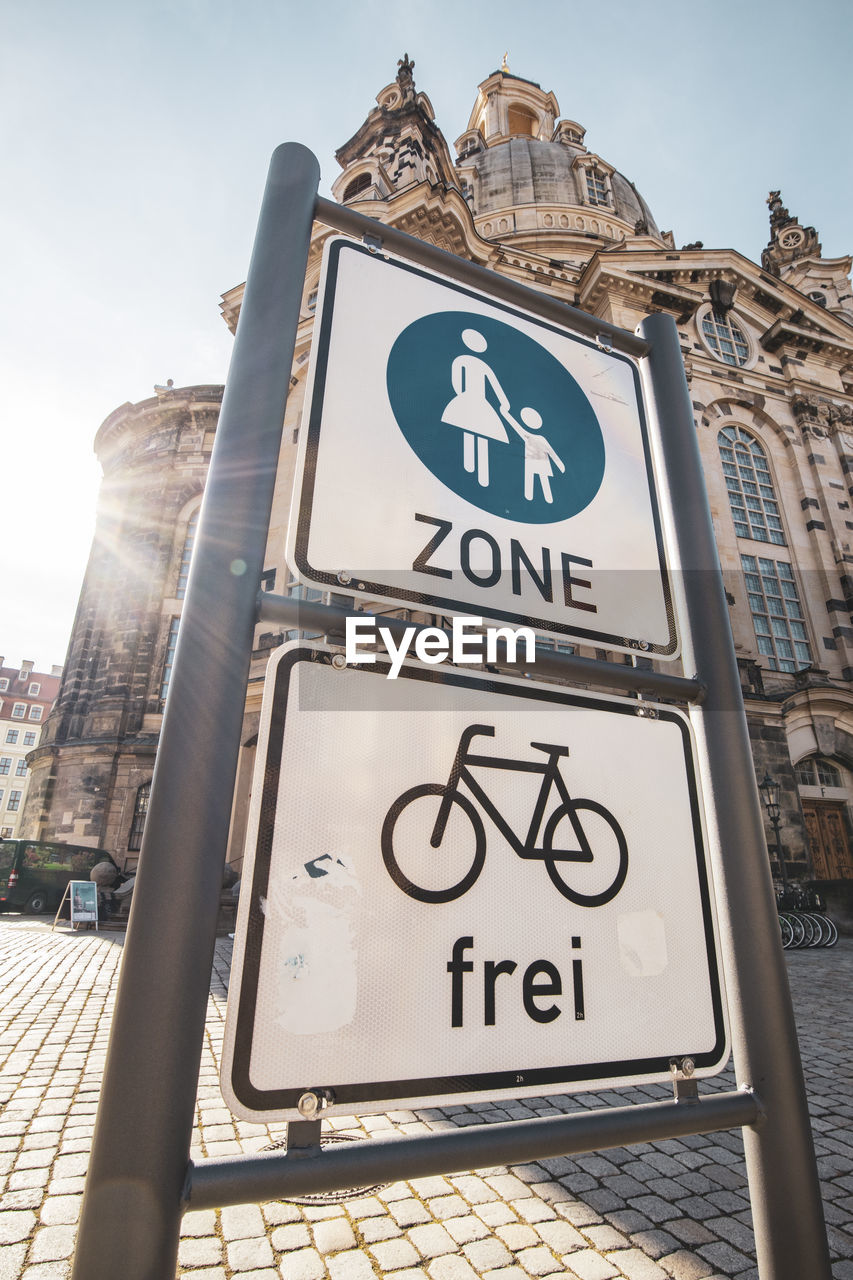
434,598
268,1104
158,1026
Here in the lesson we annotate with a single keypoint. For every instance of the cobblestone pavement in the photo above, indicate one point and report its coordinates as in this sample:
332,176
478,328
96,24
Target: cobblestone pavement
676,1209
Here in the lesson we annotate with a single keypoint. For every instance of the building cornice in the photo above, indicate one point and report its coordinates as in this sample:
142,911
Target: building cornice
145,415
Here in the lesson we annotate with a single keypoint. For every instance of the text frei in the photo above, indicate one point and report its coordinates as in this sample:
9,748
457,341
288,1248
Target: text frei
464,646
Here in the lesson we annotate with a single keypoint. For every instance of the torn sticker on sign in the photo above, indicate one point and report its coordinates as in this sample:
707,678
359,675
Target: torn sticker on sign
312,938
642,943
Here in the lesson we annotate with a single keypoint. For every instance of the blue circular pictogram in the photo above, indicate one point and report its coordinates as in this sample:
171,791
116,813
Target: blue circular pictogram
496,417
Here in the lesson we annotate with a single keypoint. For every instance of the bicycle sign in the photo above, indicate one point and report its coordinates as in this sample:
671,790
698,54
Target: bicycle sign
563,824
459,887
524,486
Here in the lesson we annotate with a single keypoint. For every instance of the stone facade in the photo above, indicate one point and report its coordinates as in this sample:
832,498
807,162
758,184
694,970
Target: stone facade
768,351
100,741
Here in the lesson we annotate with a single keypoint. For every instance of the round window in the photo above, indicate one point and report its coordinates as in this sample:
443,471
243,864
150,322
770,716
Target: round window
724,338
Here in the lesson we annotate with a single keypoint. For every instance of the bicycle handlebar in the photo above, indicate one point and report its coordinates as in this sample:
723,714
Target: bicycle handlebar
473,731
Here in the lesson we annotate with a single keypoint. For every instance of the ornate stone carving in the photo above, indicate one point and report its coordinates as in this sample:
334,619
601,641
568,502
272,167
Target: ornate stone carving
788,239
819,417
405,79
722,295
812,416
779,215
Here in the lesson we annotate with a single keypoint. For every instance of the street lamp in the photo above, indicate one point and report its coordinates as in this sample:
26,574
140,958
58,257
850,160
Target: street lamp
770,789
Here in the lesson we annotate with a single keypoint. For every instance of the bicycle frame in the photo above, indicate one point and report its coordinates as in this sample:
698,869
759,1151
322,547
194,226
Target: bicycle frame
551,777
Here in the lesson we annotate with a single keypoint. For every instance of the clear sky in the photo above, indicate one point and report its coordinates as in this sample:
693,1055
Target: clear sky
136,138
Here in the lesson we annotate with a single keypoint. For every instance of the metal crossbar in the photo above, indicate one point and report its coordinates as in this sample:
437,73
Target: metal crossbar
311,615
358,224
238,1179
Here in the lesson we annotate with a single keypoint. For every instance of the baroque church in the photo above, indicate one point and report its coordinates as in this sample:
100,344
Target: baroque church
768,353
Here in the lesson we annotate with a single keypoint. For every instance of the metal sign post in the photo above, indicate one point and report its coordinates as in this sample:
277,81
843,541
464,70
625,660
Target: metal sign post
783,1180
140,1177
136,1183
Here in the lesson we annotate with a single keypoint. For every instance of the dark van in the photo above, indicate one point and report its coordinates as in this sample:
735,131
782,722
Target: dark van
34,873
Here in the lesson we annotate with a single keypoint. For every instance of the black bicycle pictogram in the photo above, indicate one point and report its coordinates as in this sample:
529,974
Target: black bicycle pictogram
567,812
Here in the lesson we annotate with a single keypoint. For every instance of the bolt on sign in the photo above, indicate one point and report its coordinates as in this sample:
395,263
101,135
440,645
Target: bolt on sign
464,456
459,888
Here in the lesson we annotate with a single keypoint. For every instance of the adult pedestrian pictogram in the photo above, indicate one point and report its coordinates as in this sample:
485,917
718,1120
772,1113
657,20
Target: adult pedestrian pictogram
470,409
564,826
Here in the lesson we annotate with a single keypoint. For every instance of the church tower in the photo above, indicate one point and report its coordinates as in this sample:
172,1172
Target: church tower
794,255
93,766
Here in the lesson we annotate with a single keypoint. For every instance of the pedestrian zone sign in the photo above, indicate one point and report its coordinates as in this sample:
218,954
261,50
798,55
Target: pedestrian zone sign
463,456
460,888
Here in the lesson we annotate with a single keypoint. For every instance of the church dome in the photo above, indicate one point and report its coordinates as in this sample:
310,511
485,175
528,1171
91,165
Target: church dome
524,170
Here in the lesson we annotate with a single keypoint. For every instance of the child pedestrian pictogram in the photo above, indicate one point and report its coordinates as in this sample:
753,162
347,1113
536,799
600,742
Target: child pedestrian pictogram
538,455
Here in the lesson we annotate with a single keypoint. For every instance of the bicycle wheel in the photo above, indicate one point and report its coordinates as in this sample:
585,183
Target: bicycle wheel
798,929
821,933
607,844
787,932
424,856
808,928
833,931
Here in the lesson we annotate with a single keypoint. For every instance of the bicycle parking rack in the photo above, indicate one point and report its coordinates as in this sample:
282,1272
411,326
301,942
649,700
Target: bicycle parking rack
140,1178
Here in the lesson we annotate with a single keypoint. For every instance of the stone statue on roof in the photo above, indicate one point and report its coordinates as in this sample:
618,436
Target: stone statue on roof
405,79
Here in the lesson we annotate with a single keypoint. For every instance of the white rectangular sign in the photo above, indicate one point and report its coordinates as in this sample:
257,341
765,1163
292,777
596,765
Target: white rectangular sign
462,456
460,888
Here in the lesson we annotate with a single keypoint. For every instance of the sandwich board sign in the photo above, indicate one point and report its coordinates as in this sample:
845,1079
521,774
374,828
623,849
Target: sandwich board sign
459,888
82,898
464,456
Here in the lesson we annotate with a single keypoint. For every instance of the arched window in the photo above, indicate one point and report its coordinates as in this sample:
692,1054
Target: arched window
522,122
359,184
752,497
724,338
140,812
814,771
187,555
